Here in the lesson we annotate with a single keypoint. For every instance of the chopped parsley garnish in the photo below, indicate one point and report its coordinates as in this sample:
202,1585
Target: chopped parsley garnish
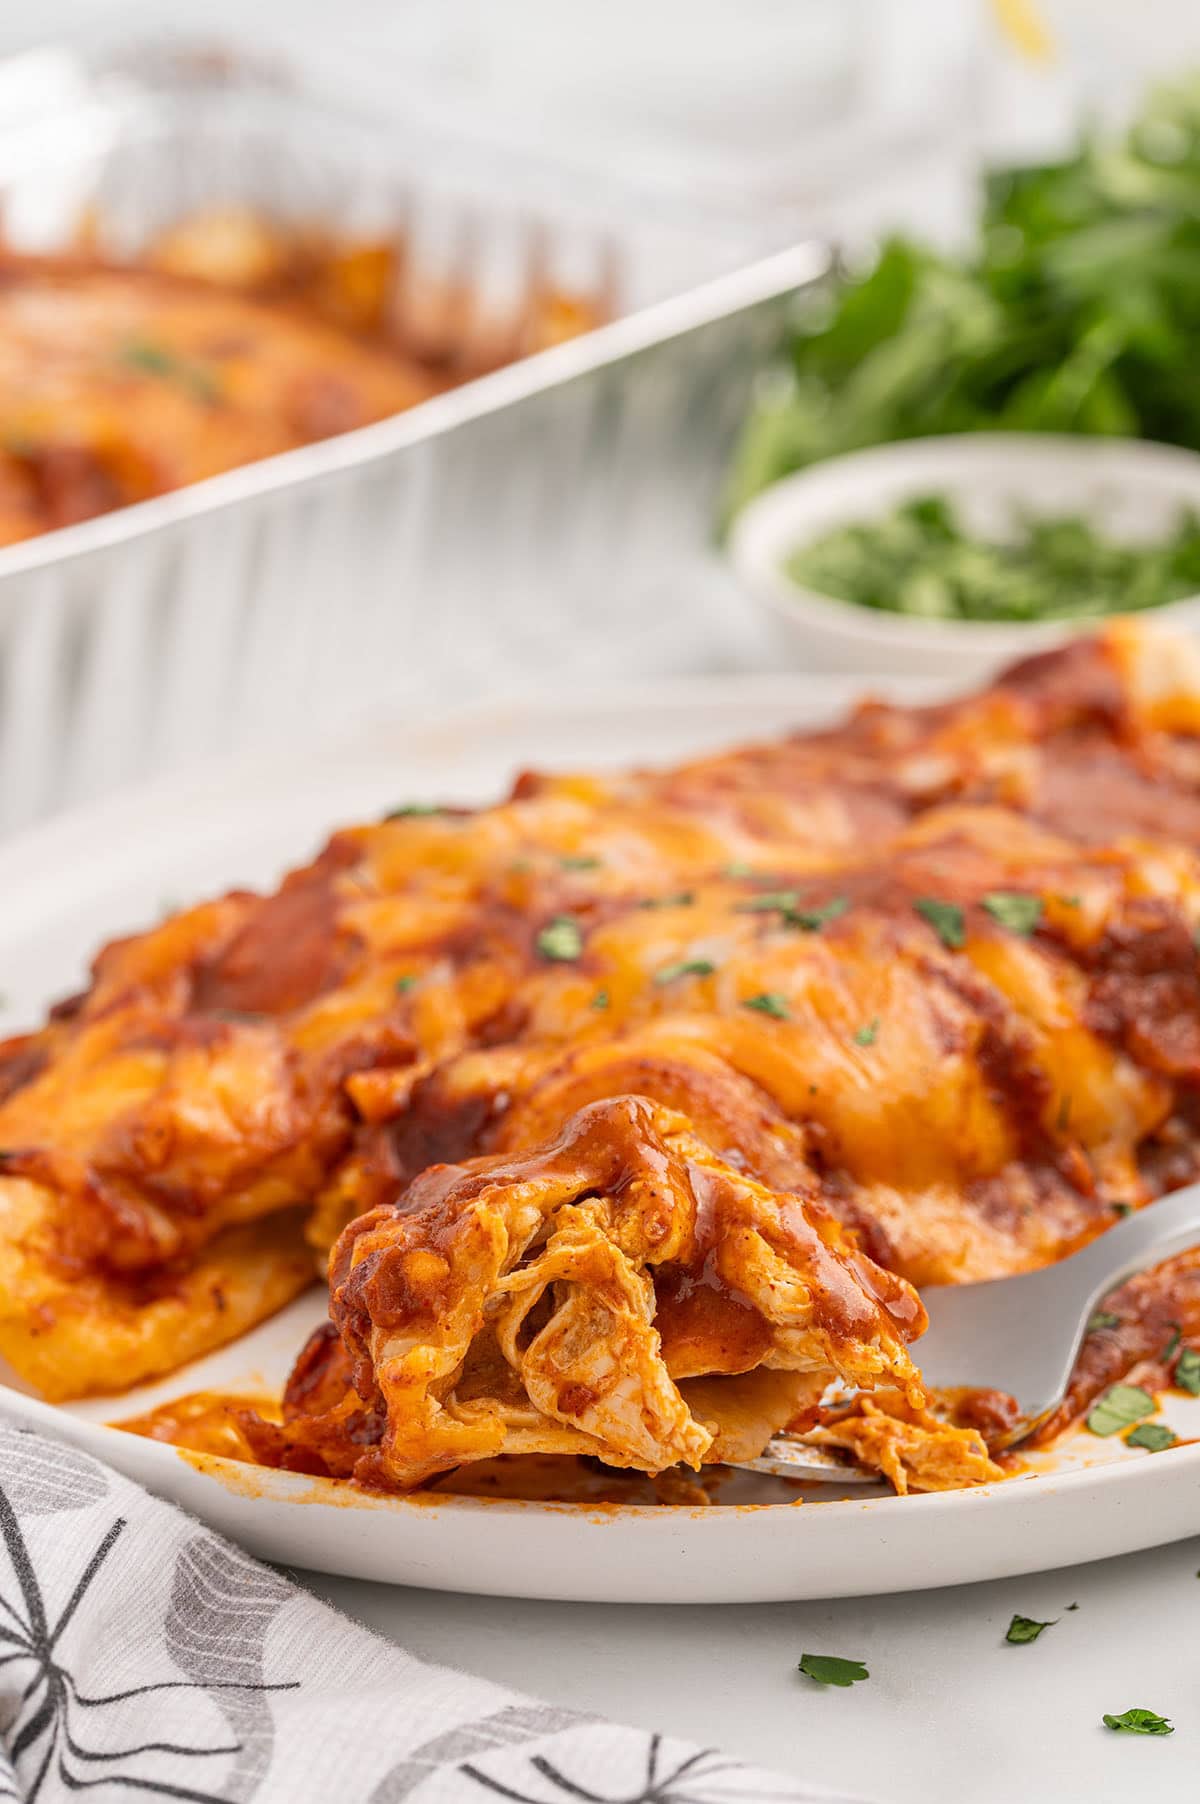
1070,901
157,360
1154,1436
1139,1722
828,1669
1103,1318
922,559
795,912
403,984
1187,1371
580,864
154,359
683,899
1120,1407
769,1002
600,999
1122,1209
1172,1346
1072,1606
1023,1628
739,868
811,920
946,918
867,1035
561,938
770,899
407,809
1018,912
684,967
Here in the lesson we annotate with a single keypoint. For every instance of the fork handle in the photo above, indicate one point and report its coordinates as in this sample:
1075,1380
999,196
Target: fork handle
1171,1225
955,1351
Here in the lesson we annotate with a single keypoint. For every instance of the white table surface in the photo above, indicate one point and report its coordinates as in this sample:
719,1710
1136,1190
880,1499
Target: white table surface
950,1714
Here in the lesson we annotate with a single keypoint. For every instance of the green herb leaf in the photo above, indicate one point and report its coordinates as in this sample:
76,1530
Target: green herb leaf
946,918
1070,901
1154,1436
408,809
1139,1722
1187,1371
1018,912
768,1002
600,999
739,868
1072,1606
867,1036
580,864
403,984
684,967
561,938
154,360
157,360
683,899
1122,1209
1119,1407
1024,1628
1103,1318
1172,1346
769,900
811,920
828,1669
795,912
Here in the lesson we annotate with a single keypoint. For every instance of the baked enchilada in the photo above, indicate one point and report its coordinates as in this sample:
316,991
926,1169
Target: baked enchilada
627,1117
230,342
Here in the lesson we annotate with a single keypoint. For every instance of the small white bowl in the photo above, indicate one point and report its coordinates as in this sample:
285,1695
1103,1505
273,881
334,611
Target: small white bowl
1131,489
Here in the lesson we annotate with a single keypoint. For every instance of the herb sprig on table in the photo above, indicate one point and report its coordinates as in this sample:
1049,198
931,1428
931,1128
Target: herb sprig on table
1078,311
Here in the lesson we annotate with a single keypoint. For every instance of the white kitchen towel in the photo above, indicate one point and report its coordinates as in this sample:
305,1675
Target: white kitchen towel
143,1656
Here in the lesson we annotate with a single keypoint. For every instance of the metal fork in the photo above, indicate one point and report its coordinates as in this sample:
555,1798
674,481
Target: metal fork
1020,1335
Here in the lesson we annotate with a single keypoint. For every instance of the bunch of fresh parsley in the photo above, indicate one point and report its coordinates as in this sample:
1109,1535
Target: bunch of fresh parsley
1079,311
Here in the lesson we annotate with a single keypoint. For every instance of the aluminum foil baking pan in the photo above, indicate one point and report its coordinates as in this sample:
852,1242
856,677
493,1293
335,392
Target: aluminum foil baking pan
549,520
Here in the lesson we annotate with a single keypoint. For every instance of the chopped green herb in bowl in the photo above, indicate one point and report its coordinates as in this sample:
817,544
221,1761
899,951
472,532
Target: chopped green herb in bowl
921,560
949,555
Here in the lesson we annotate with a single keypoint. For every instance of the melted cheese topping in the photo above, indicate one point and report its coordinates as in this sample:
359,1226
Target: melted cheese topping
120,384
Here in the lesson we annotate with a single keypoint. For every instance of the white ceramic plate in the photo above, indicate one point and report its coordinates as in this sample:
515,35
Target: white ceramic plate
67,886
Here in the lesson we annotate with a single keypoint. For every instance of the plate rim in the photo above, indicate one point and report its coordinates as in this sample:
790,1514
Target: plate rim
309,1487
